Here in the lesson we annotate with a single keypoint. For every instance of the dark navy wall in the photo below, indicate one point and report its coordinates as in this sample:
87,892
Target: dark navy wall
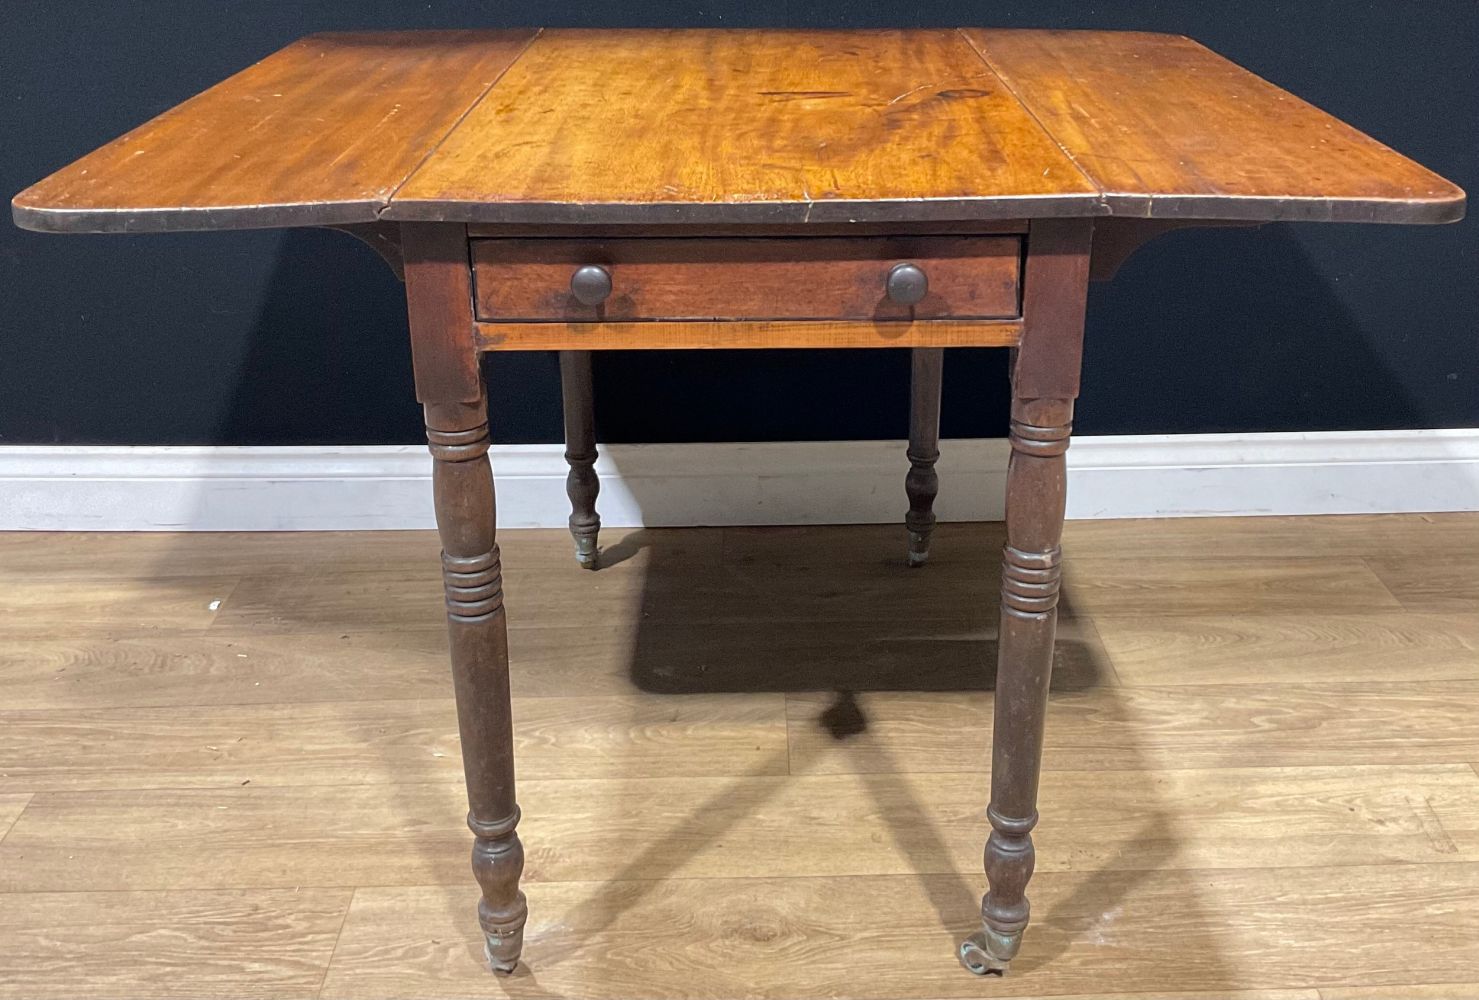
299,337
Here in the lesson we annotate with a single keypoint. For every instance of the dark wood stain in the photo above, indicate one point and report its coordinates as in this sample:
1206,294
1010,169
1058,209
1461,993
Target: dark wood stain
761,127
676,279
1168,129
320,133
582,485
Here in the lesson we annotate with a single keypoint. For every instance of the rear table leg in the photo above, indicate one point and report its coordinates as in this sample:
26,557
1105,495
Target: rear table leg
922,484
582,484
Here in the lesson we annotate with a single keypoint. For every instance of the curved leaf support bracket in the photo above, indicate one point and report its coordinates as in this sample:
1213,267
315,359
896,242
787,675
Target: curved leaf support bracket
382,237
1116,240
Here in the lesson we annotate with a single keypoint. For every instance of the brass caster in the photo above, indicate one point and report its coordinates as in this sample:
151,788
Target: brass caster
986,953
919,549
586,553
494,947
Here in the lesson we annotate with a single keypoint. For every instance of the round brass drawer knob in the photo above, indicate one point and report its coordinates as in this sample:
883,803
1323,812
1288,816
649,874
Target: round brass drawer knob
591,285
907,284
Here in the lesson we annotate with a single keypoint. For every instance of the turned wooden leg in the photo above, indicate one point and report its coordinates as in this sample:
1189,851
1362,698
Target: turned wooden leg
1030,574
922,484
581,484
1045,381
463,485
450,386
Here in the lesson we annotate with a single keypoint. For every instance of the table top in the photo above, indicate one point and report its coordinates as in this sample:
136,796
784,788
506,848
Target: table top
736,127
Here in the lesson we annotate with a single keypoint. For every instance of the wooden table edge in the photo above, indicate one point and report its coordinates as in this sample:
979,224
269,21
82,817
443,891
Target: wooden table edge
224,218
1448,205
1278,208
985,208
1189,208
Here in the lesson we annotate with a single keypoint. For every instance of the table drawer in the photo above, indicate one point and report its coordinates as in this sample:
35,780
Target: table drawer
793,278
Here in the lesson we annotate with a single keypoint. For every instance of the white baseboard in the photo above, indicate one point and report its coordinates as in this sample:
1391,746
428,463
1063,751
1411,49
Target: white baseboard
831,482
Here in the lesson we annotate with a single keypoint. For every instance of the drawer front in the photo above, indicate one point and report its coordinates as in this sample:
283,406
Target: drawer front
801,278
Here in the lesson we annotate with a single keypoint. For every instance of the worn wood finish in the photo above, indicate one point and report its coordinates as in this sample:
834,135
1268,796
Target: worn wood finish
439,301
320,133
1045,383
758,126
449,385
744,334
1054,291
582,485
765,127
463,484
922,484
786,279
1168,129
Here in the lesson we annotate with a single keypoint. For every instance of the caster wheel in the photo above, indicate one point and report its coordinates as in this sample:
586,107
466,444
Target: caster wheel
986,953
493,945
919,549
586,553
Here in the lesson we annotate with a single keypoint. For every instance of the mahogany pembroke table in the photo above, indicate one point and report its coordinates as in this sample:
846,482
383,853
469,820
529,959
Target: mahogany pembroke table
576,191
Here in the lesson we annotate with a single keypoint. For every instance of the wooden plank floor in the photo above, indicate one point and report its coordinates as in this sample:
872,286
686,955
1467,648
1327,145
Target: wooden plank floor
752,763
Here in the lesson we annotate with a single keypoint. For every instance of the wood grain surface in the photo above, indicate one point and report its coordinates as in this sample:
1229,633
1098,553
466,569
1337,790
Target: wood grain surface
264,944
1253,649
728,128
361,742
321,132
787,937
10,807
592,829
746,126
970,277
1169,129
1422,583
700,335
1292,724
265,800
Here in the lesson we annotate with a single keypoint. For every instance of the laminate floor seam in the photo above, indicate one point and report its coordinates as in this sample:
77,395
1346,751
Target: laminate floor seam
30,797
338,936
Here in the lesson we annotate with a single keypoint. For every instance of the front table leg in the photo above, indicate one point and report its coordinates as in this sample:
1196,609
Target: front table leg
1030,574
463,483
1045,382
